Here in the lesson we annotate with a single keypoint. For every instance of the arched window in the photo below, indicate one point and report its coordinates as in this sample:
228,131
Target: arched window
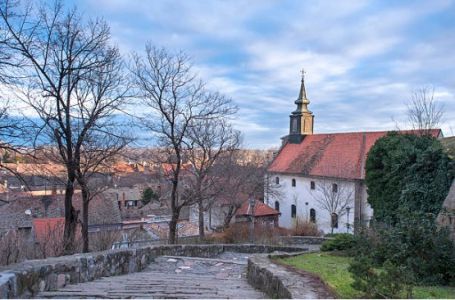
334,220
293,182
335,188
277,180
277,206
312,185
313,215
293,211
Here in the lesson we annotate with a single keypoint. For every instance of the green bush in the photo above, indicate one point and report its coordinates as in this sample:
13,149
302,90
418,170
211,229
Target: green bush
339,242
148,195
406,172
388,282
416,244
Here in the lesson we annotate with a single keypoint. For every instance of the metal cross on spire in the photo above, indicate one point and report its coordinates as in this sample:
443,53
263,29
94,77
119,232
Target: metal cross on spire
303,73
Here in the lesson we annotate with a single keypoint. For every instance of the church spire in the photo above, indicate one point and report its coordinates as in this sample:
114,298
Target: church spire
301,119
302,101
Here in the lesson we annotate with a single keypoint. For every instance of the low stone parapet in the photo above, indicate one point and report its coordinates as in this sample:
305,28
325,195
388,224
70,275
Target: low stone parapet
278,282
28,278
302,240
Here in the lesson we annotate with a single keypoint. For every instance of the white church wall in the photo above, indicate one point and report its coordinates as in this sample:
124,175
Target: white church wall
367,211
305,199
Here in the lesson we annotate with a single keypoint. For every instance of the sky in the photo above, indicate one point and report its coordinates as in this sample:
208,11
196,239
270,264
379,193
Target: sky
363,59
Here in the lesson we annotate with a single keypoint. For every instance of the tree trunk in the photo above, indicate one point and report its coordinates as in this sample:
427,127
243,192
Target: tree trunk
201,221
175,210
229,215
85,202
69,233
173,228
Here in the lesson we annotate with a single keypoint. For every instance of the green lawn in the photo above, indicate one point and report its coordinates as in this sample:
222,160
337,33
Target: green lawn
333,270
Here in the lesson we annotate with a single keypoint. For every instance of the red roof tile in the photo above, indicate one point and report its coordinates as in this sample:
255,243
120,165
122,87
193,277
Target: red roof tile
339,155
46,228
260,209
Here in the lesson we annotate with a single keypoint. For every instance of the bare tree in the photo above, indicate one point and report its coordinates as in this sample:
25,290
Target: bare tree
333,197
49,240
176,98
104,239
209,139
70,78
246,176
99,149
11,137
424,112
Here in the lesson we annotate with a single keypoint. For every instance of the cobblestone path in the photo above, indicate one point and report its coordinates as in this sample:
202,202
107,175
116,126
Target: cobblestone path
172,277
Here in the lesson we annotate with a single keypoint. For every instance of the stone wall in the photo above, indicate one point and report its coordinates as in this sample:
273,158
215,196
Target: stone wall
302,240
26,279
279,283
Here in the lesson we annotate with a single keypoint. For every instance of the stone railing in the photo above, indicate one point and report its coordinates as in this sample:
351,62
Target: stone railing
28,278
278,282
302,240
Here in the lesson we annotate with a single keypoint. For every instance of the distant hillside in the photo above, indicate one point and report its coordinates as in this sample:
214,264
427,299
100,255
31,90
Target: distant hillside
449,145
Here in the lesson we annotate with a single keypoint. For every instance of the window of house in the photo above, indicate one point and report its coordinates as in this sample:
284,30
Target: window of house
335,188
312,185
334,220
277,206
293,182
293,211
313,215
119,204
277,180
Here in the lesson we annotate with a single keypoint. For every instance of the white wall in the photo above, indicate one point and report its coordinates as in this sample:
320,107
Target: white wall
214,217
305,199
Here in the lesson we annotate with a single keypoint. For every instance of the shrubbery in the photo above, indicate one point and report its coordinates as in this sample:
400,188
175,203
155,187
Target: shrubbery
413,252
305,228
388,282
339,242
408,177
407,172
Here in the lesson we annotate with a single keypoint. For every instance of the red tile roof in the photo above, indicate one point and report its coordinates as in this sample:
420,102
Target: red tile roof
338,155
46,228
260,209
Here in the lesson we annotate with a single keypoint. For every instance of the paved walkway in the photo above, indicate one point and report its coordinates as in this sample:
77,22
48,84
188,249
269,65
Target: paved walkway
172,277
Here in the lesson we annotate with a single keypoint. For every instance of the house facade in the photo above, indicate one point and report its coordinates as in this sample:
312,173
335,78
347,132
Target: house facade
320,178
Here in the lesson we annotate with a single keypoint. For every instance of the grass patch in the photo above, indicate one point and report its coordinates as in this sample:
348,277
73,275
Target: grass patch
333,270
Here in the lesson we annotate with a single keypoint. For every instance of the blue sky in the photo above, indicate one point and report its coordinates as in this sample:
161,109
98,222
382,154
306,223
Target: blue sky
363,59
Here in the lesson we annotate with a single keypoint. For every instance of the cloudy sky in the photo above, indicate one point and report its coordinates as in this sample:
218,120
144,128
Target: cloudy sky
363,59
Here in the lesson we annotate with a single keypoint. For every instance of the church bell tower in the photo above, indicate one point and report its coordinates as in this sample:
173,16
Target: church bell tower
301,120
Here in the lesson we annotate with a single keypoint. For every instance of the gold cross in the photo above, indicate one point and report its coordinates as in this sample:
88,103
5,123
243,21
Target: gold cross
303,73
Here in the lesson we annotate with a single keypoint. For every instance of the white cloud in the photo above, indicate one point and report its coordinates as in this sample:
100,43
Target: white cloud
363,58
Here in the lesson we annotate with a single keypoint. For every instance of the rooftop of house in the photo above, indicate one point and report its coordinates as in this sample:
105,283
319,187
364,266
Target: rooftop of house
337,155
20,212
260,210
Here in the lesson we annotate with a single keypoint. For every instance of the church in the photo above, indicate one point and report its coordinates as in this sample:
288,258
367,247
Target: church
320,177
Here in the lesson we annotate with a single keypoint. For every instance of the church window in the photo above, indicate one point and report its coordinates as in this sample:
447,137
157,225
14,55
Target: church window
277,180
277,206
313,215
294,125
293,181
312,185
334,220
335,188
293,211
